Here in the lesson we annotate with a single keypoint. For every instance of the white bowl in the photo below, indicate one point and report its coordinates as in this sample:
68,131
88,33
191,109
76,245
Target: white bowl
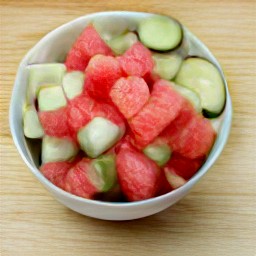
53,48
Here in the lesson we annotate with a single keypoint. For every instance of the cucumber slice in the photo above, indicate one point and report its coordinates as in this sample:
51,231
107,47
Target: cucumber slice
73,83
103,172
204,78
167,65
189,95
174,180
158,153
41,74
51,98
123,42
31,124
97,136
57,149
160,33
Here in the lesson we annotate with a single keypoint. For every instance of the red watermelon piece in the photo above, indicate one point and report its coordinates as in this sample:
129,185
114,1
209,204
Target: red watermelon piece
162,108
80,112
138,176
109,112
101,74
56,172
86,46
78,182
183,167
130,95
163,186
55,123
137,60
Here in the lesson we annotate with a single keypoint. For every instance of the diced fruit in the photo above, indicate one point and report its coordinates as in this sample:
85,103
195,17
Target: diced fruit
174,180
160,33
130,95
204,78
51,98
56,172
111,113
55,123
191,135
57,149
163,184
103,172
98,136
73,83
138,175
160,153
122,42
78,181
86,46
101,74
31,124
43,74
79,112
182,166
137,60
189,95
163,107
167,65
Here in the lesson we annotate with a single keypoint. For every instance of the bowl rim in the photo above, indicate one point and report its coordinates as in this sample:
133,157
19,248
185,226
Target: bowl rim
227,122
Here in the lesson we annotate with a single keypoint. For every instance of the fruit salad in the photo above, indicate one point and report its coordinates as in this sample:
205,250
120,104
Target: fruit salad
126,117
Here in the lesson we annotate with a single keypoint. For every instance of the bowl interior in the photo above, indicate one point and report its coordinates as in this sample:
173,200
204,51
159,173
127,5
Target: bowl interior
54,47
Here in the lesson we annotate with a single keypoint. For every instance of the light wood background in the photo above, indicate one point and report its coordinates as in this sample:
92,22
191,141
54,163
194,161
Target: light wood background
216,218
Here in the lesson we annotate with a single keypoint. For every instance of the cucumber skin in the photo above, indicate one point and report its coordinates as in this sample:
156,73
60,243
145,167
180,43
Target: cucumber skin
208,114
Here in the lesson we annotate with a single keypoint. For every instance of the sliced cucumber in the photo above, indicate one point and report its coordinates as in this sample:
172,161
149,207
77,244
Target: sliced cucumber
57,149
31,124
160,33
103,172
204,78
123,42
167,65
158,153
73,83
41,74
189,95
97,136
51,98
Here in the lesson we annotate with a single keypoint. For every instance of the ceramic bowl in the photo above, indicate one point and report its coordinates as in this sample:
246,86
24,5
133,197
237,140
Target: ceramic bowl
53,48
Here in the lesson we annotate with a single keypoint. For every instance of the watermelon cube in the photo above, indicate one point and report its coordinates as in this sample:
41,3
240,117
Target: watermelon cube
129,95
162,108
137,60
138,176
86,46
101,74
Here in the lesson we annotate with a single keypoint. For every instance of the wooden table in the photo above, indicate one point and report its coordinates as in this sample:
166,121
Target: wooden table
216,218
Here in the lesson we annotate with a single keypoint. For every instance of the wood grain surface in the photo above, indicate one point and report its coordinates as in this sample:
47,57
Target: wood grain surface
216,218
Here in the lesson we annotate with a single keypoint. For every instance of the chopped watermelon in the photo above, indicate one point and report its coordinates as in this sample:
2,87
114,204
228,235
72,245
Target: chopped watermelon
163,186
163,107
183,167
55,123
77,181
138,175
86,46
130,95
56,172
137,60
80,112
101,74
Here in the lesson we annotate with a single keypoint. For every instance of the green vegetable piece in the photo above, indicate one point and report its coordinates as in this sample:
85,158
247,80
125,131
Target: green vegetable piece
160,33
204,78
31,124
167,65
43,74
97,136
57,149
158,153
